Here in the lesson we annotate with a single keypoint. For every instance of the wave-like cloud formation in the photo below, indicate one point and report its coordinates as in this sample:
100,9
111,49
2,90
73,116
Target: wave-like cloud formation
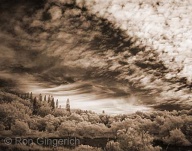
121,45
162,26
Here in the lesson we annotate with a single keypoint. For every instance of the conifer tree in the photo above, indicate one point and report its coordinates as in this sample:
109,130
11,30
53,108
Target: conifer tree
40,97
68,105
27,95
35,105
53,104
57,103
45,98
49,99
31,96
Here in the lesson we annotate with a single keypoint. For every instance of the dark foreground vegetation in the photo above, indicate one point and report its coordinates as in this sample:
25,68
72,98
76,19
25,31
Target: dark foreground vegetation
27,116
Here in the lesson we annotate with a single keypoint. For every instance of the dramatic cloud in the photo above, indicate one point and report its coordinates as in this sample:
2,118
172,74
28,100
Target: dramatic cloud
127,47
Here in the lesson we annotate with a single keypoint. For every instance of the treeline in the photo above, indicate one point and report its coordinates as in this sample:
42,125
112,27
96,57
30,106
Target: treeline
38,103
23,106
136,132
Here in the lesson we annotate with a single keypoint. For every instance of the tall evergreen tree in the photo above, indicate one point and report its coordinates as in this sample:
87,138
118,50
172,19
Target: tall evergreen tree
57,103
35,106
24,96
31,96
40,97
49,99
45,98
53,104
27,95
68,105
21,95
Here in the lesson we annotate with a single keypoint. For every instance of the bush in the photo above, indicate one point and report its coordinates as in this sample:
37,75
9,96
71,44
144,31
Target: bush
113,146
135,140
2,127
87,148
20,128
50,128
44,110
67,128
41,124
11,111
177,138
75,117
59,112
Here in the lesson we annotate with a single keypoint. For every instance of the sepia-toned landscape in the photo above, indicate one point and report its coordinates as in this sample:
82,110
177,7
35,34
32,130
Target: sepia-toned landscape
95,75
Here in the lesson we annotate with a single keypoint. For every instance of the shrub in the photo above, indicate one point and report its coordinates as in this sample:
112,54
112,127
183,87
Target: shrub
50,128
20,128
59,112
67,128
87,148
176,138
135,140
113,146
44,110
2,127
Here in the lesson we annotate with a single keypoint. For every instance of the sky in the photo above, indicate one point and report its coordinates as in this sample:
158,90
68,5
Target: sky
102,55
